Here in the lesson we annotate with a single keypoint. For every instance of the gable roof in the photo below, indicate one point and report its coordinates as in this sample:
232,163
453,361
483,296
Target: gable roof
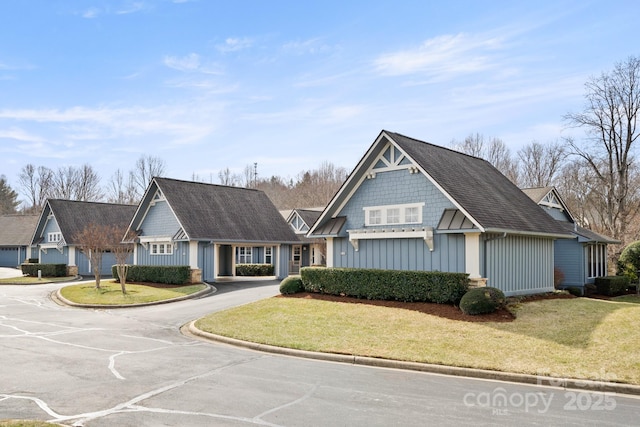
73,216
538,194
483,194
17,230
308,216
221,213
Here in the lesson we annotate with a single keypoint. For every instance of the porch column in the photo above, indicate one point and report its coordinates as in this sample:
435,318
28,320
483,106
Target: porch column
472,254
233,261
329,251
193,255
215,261
276,263
72,256
135,254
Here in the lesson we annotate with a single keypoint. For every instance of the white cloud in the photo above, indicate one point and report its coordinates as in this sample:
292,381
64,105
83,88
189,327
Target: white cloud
132,8
19,135
90,13
191,63
233,44
444,56
311,46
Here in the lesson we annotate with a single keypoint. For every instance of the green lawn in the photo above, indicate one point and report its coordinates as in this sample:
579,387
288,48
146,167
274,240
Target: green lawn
28,280
572,338
110,293
25,423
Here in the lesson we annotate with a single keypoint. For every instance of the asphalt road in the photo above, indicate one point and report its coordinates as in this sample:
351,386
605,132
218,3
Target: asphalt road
132,367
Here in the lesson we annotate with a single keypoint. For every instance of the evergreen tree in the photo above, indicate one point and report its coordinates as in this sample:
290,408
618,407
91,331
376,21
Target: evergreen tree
8,198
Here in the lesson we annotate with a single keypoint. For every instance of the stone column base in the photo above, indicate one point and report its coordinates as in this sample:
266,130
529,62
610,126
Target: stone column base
196,276
478,282
72,270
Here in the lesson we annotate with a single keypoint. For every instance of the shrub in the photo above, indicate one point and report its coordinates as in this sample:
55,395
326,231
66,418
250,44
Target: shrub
291,285
166,274
426,286
47,270
612,285
575,291
254,270
482,300
629,261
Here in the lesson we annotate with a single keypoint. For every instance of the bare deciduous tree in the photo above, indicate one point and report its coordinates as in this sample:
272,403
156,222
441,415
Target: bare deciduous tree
122,251
146,168
540,164
122,190
94,240
610,119
227,177
35,183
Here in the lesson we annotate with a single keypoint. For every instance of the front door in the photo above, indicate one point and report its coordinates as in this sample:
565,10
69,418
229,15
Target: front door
296,260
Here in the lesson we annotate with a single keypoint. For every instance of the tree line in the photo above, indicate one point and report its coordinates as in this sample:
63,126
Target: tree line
597,176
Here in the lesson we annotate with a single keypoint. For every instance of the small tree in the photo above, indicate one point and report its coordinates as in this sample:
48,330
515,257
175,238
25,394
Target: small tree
121,251
94,240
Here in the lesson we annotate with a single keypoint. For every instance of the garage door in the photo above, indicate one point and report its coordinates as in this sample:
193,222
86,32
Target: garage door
9,257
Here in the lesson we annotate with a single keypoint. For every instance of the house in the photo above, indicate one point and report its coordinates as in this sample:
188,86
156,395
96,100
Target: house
15,238
61,221
308,251
411,205
583,257
211,228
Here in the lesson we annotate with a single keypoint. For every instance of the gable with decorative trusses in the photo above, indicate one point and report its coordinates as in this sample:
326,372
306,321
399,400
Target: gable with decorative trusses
391,159
298,224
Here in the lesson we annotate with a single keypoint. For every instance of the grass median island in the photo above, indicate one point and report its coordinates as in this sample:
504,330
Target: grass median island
570,338
110,293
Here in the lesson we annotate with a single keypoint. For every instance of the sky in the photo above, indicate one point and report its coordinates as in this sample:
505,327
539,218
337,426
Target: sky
207,85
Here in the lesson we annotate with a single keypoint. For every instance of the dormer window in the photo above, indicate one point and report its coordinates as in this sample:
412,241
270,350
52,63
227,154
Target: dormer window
393,214
54,237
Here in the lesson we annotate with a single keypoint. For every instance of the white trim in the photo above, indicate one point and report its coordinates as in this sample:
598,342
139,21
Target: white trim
425,233
384,212
193,255
167,248
329,257
72,256
155,239
472,255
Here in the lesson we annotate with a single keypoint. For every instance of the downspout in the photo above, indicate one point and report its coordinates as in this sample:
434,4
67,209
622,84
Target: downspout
484,257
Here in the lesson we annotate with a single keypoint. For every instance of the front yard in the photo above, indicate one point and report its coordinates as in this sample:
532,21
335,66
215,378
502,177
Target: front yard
570,338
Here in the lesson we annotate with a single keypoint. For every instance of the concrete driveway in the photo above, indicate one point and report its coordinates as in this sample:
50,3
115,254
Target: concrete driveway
8,273
132,367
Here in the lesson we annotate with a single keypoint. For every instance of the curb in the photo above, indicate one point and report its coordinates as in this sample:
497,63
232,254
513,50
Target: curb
57,297
565,383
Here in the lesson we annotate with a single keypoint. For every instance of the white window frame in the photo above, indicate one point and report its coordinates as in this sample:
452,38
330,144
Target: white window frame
268,254
388,214
54,237
160,248
244,253
596,260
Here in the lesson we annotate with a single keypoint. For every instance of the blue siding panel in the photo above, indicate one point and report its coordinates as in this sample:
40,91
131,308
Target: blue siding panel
569,258
180,256
160,221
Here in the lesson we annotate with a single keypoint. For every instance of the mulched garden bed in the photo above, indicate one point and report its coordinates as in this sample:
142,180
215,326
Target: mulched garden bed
442,310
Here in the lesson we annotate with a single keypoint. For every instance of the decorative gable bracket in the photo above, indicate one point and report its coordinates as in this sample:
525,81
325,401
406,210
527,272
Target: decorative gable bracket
425,233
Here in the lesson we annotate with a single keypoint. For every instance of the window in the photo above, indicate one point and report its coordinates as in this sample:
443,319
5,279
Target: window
411,215
597,260
54,237
245,255
394,214
161,249
375,217
268,254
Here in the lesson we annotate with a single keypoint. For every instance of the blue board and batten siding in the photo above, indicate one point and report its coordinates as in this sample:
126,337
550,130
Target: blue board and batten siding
519,265
403,254
398,188
160,221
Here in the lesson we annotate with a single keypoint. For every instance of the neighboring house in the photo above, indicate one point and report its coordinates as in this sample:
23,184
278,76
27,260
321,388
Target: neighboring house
582,258
15,238
210,227
62,220
309,251
411,205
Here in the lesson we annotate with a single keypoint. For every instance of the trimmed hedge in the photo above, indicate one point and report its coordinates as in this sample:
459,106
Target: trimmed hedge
612,285
167,274
254,270
47,270
408,286
291,285
483,300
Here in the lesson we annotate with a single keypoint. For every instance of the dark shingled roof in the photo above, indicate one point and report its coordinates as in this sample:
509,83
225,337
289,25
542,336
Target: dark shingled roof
73,216
17,230
309,216
479,188
217,212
